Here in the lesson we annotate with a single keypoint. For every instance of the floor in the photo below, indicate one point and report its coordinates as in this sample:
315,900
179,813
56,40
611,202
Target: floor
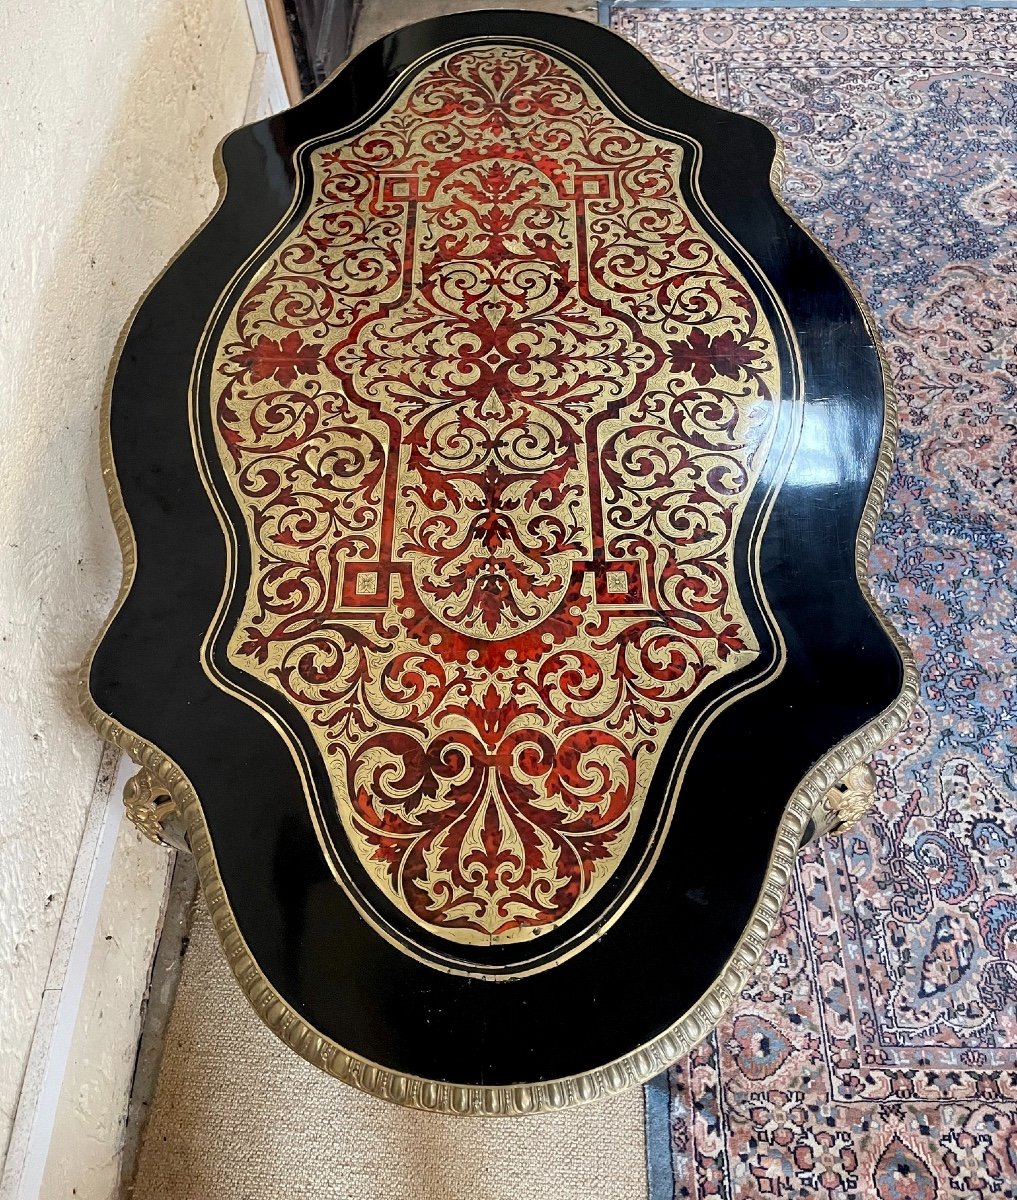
237,1116
379,17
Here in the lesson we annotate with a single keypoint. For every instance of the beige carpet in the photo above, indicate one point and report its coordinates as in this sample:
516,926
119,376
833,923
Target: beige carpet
237,1116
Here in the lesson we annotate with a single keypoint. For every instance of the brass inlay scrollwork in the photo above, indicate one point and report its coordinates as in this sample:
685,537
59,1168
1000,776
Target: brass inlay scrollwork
493,410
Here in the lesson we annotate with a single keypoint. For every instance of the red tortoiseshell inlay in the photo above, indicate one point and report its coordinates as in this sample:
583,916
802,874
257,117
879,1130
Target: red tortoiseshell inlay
492,411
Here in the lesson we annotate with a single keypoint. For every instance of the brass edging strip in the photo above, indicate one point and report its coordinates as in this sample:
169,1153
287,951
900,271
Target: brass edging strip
641,1064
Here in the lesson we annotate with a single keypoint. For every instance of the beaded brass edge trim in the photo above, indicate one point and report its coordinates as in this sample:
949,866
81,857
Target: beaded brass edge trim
641,1064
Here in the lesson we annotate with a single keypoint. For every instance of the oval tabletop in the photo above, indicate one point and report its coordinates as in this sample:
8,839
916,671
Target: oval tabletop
495,471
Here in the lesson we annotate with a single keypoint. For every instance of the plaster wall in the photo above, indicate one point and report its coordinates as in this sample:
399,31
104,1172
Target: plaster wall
111,111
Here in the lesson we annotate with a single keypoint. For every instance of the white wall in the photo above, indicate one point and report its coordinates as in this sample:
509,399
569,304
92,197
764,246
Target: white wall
111,110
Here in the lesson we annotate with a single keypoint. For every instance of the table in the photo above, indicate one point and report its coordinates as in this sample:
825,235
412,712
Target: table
495,472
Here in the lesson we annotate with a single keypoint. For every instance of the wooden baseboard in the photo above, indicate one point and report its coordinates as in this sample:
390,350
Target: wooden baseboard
284,49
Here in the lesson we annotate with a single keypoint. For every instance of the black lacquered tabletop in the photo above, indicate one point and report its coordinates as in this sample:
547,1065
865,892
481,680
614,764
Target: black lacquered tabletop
498,459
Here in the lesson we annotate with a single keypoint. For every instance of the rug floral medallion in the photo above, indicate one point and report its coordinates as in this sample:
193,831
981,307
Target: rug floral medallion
875,1054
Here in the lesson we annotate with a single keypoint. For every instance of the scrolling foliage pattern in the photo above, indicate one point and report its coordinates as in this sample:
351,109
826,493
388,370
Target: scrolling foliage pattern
492,411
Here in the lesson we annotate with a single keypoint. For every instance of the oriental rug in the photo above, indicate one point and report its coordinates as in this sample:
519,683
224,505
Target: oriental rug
875,1054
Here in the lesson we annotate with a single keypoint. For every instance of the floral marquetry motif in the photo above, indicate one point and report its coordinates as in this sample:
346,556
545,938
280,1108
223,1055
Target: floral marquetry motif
492,410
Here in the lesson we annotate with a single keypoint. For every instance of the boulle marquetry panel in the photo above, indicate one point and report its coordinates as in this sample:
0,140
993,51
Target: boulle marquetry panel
499,461
492,410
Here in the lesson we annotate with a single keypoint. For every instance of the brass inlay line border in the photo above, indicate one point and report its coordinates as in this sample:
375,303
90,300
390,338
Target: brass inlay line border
247,311
641,1064
721,699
